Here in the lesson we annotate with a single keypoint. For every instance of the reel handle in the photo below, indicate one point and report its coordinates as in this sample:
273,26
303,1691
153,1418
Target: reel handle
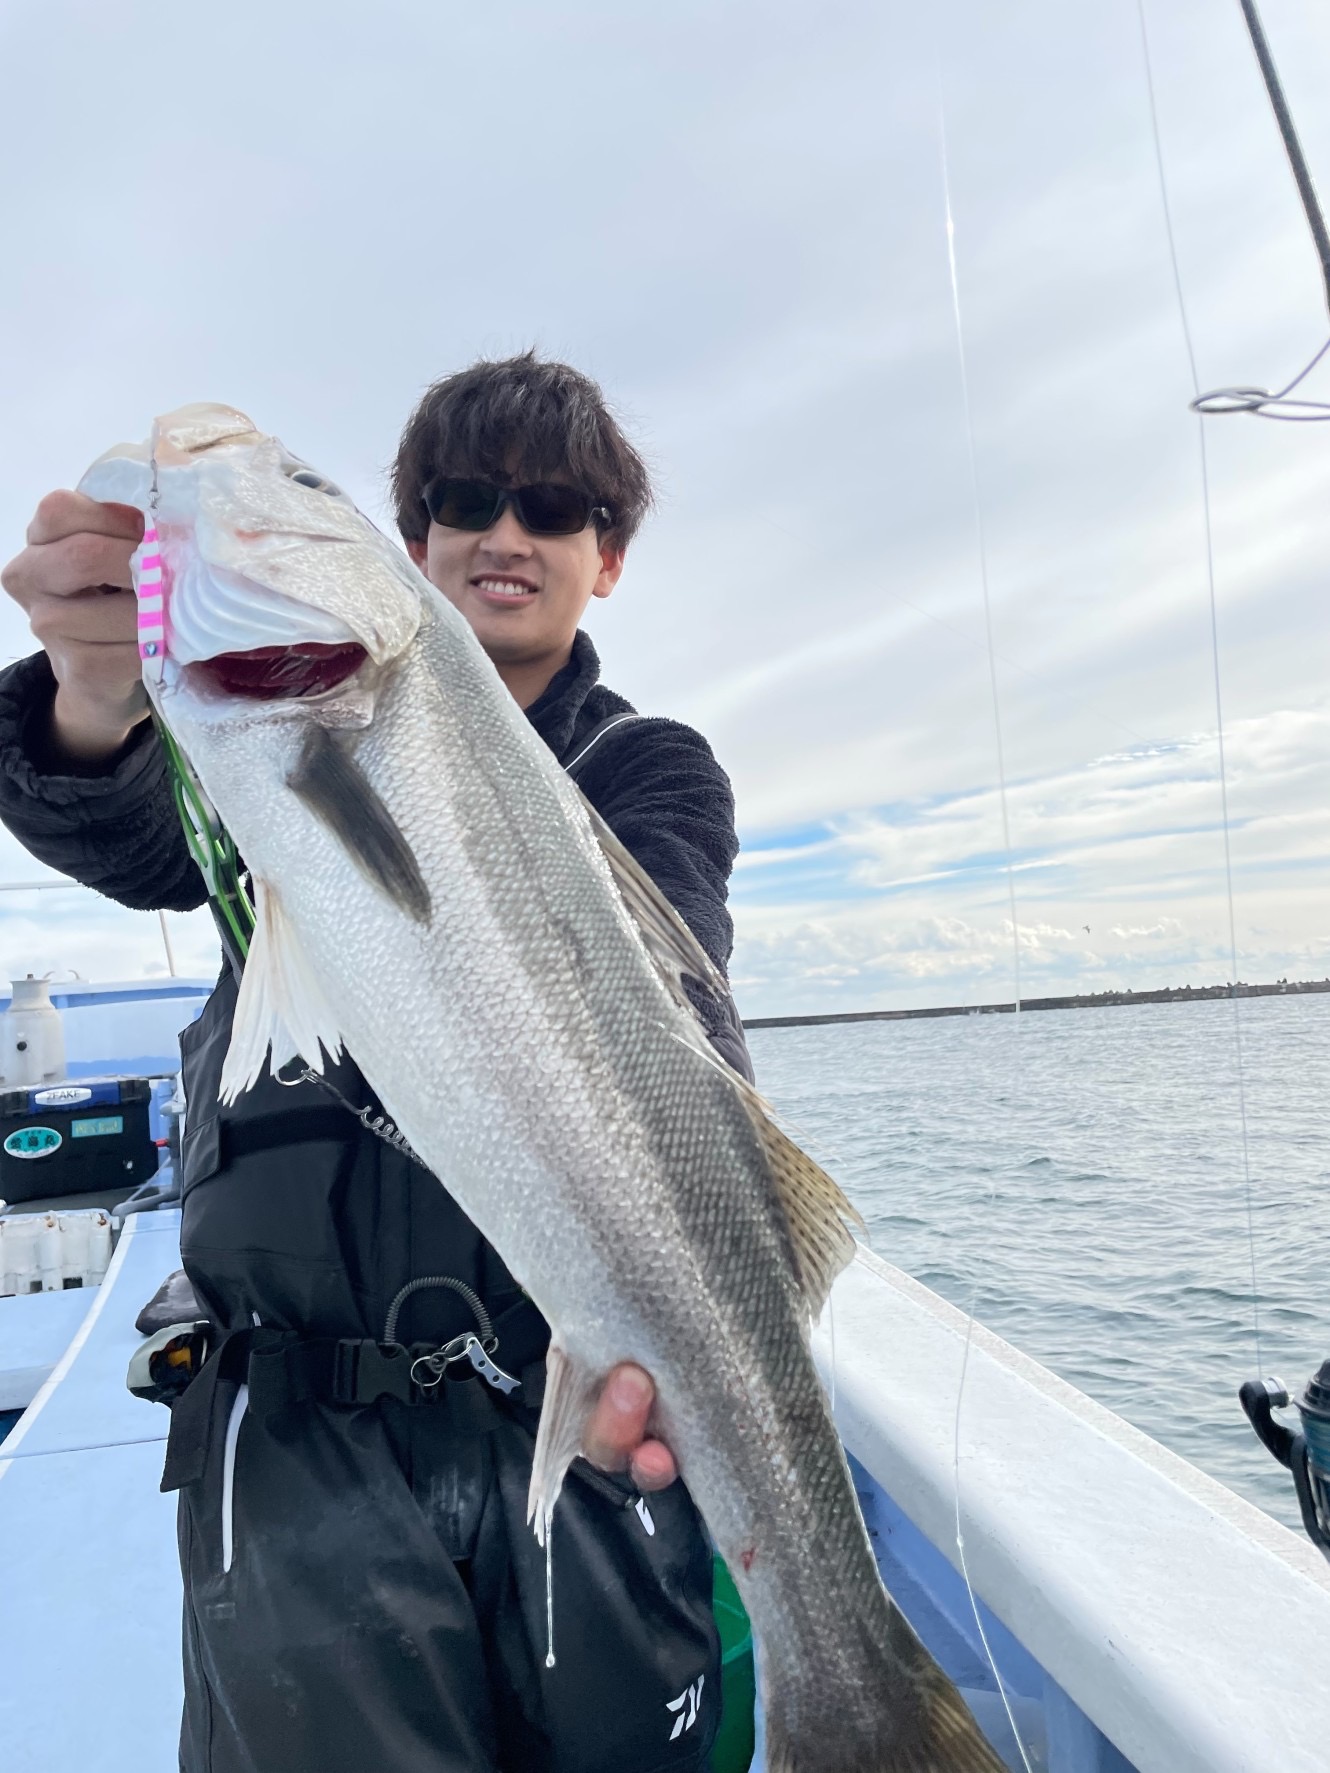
1259,1397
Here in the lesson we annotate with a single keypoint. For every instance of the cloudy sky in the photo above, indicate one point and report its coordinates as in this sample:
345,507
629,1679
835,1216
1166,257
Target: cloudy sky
732,215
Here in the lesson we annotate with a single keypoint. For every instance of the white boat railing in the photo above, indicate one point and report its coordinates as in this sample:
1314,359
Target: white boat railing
1191,1629
58,884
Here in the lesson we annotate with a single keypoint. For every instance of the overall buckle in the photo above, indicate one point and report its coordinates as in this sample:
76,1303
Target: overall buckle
363,1372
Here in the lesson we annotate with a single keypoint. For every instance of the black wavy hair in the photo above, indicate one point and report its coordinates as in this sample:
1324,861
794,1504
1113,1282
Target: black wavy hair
517,421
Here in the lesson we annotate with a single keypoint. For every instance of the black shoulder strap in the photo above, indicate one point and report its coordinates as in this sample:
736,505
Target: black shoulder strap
573,765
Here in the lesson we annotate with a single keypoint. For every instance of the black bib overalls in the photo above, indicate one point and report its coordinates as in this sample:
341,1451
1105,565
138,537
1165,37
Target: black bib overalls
362,1591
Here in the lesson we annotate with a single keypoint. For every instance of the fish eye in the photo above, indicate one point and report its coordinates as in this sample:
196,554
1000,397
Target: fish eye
307,477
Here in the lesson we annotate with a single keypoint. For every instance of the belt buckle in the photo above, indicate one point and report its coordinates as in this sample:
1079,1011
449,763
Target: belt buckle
367,1371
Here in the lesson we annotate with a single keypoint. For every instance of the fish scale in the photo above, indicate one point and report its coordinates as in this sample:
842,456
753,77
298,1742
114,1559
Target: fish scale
529,1036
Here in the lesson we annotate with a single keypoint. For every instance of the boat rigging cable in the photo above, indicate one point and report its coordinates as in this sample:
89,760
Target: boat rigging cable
981,548
1214,660
1257,400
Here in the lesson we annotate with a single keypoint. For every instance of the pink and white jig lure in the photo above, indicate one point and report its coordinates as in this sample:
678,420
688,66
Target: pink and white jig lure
150,587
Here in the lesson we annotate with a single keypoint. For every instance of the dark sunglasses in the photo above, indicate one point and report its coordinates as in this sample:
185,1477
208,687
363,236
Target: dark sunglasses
546,510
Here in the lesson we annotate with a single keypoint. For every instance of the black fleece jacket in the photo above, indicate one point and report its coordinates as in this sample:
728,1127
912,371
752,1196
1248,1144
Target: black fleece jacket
654,782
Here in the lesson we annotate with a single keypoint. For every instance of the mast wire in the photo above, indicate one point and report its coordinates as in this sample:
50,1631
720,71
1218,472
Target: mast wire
1257,400
1214,659
982,551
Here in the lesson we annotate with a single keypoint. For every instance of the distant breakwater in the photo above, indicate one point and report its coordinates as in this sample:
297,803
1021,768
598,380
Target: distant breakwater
1092,1001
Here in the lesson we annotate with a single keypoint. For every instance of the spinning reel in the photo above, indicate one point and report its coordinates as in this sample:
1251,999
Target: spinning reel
1305,1454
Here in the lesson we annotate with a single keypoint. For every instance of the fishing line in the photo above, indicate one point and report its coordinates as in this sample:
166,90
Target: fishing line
1257,400
982,549
1214,659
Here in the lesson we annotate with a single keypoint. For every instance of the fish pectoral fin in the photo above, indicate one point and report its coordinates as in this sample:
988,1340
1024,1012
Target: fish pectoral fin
281,1006
673,947
815,1209
570,1395
341,796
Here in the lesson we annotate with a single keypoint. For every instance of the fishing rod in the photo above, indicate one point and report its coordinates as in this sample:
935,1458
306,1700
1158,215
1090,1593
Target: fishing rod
1292,146
1304,1451
1260,401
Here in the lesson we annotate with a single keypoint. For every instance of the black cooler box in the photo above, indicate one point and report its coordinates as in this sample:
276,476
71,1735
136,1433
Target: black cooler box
79,1137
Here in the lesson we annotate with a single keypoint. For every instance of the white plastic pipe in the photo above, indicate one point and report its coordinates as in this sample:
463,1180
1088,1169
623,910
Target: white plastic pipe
21,1252
99,1249
51,1254
74,1229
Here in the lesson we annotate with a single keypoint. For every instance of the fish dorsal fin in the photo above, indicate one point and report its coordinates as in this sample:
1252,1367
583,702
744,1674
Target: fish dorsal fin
814,1207
281,1004
673,947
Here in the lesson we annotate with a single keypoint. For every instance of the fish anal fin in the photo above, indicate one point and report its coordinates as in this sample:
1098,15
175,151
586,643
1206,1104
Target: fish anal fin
815,1209
281,1007
570,1395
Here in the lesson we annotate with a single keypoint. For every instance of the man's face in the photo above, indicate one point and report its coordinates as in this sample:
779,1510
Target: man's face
523,595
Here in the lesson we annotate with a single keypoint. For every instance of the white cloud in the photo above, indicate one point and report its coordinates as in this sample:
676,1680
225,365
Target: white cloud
1119,881
755,265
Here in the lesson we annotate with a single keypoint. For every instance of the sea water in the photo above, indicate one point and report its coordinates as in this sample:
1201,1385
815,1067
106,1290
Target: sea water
1078,1176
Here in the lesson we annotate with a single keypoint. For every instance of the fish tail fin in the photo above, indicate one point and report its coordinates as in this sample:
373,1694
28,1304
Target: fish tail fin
908,1717
281,1005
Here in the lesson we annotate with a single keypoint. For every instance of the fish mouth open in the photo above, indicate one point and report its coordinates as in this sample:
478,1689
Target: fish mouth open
283,673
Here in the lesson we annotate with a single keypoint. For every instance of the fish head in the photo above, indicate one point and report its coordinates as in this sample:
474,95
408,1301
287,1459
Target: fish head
262,590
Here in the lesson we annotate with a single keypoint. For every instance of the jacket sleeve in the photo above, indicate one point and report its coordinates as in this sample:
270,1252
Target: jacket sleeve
661,791
116,831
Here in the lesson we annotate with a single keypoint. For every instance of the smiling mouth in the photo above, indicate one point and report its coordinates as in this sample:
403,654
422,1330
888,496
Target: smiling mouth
513,589
273,673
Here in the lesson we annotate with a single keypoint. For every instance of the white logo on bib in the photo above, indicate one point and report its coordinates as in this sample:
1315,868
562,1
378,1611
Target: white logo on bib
691,1698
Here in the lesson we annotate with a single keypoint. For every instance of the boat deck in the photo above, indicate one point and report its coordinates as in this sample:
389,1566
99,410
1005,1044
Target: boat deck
1143,1618
90,1627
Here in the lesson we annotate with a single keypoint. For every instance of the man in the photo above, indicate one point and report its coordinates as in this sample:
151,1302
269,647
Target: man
361,1588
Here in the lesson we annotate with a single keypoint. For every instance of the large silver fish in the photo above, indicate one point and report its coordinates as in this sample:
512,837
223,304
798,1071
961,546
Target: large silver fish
434,897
